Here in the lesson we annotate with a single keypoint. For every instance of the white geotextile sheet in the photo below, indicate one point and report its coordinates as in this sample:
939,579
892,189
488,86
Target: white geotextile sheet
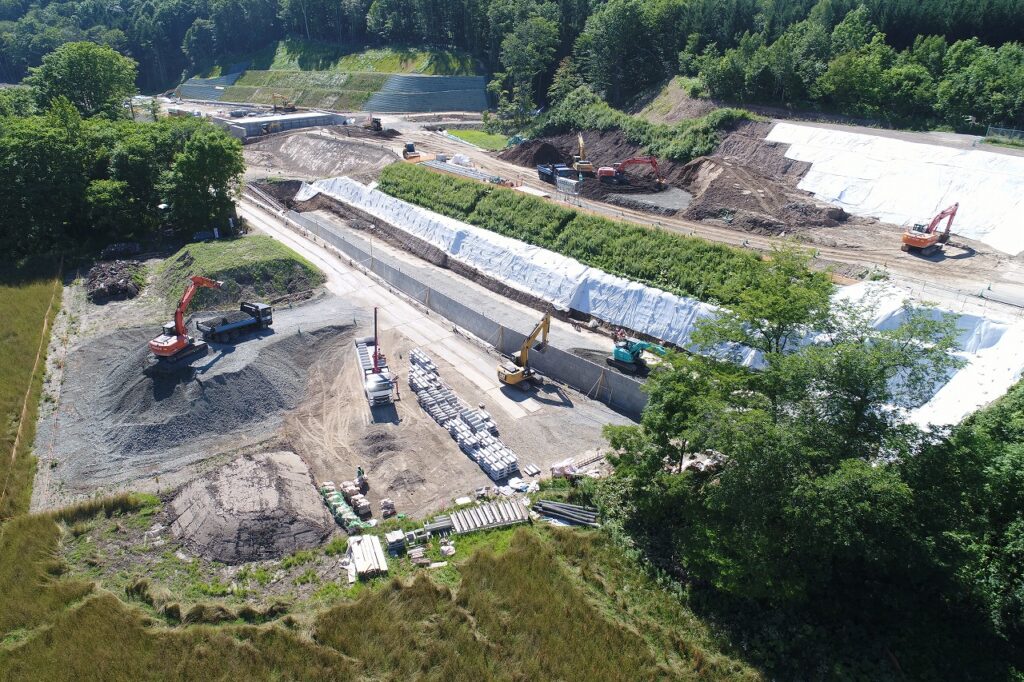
563,281
908,182
993,350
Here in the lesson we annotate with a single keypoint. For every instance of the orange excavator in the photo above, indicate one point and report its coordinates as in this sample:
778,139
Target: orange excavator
926,239
616,174
174,347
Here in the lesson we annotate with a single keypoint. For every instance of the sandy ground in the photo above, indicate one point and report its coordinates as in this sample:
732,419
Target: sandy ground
313,154
398,448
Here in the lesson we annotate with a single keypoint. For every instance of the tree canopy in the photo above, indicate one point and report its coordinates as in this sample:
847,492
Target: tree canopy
94,78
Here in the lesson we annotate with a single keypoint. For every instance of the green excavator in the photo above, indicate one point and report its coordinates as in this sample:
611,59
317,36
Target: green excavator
628,355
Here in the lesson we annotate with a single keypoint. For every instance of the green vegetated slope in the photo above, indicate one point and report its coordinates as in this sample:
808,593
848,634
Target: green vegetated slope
26,295
682,141
327,76
683,265
481,138
530,603
255,265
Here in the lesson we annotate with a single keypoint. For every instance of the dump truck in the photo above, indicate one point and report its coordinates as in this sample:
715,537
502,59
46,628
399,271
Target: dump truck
549,171
227,327
378,384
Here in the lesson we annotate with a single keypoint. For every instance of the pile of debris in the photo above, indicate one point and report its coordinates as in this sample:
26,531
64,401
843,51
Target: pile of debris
472,429
113,280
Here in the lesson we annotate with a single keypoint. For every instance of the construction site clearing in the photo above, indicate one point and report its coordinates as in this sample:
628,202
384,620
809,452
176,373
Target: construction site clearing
391,408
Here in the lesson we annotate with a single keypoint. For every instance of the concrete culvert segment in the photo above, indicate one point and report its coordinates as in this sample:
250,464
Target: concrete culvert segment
258,507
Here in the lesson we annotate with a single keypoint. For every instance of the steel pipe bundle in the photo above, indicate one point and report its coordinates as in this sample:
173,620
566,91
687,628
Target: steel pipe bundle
570,513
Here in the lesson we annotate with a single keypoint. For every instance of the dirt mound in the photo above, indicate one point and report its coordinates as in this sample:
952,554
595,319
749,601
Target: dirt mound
310,155
534,153
744,198
256,508
118,423
113,280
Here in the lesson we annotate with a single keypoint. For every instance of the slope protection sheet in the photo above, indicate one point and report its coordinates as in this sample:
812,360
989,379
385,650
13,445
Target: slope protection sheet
994,351
908,182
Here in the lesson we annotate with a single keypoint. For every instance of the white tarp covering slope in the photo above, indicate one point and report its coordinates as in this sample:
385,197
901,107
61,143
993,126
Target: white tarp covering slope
994,350
907,182
565,282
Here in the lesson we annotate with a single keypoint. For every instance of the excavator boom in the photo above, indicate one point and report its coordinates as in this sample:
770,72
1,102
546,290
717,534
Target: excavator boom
516,372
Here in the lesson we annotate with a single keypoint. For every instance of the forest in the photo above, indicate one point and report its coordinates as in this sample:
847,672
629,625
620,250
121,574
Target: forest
79,174
933,62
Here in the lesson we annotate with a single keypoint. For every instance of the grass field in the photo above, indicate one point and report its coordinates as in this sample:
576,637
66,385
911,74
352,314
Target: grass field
514,604
29,300
481,139
255,265
315,89
303,55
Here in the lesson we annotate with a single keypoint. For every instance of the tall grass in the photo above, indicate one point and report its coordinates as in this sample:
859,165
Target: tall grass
26,294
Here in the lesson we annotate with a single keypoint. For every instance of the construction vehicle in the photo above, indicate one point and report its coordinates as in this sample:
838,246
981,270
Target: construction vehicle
373,124
628,355
227,327
579,160
409,151
517,371
174,347
550,171
925,239
280,102
378,385
616,173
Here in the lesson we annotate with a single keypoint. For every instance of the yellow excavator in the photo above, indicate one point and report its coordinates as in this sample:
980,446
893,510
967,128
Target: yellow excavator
518,372
579,161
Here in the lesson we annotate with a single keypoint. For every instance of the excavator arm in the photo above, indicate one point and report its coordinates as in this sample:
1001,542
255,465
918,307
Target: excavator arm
196,282
949,213
543,327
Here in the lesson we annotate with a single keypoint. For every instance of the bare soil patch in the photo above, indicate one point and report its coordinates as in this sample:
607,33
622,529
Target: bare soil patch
311,155
258,507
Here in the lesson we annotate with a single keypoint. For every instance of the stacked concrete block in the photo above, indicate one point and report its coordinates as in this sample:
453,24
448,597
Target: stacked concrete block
473,429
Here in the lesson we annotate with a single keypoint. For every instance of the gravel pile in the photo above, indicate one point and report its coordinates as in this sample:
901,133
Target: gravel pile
118,423
256,508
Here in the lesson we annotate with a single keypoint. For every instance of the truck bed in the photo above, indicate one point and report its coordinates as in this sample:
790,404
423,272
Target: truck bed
223,318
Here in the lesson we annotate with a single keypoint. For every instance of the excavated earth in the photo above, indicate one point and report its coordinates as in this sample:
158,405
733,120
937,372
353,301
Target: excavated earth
747,183
258,507
312,155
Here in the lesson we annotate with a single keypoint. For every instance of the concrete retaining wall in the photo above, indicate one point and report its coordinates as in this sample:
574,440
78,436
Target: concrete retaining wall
596,381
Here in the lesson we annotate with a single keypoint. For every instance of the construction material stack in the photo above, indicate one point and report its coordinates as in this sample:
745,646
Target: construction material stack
473,429
567,513
340,510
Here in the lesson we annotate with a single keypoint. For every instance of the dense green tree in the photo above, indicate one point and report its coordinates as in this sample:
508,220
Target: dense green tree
203,180
94,78
200,43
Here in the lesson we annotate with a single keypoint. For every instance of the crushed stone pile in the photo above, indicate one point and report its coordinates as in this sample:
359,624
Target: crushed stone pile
119,422
258,507
112,280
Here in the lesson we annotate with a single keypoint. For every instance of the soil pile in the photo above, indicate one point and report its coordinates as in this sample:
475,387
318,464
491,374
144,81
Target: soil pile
744,198
113,280
256,508
534,153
